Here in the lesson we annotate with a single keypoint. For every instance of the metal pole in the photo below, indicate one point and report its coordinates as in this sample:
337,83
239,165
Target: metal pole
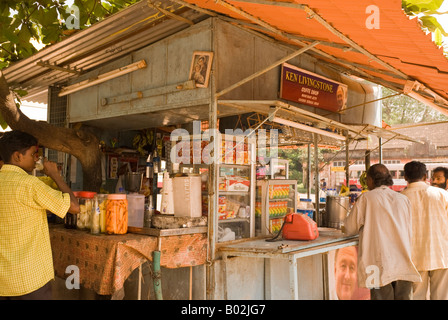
212,189
380,150
308,173
347,164
316,178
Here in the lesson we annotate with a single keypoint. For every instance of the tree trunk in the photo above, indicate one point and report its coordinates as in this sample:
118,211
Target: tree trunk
78,142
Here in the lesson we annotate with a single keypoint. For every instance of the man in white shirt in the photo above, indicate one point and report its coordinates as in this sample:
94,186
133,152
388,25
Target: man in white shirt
429,232
439,176
382,217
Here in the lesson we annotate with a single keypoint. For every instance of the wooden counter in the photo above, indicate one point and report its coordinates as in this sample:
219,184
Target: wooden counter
106,261
291,250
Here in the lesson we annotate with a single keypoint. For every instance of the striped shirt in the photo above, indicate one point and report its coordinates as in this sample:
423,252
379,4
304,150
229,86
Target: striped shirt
429,226
26,262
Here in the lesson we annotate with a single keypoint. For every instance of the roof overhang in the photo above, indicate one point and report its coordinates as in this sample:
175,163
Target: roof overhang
393,52
397,55
116,36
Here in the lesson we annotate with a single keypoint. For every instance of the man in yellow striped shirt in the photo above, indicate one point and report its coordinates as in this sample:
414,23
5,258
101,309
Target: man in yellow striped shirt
26,263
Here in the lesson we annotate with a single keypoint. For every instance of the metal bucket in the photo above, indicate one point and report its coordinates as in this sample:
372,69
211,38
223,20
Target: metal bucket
134,181
336,210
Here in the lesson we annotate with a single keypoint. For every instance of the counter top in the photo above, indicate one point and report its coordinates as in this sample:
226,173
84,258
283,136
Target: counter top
329,239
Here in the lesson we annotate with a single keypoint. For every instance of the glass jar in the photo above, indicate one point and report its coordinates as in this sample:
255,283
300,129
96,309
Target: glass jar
86,209
71,219
95,218
100,207
117,214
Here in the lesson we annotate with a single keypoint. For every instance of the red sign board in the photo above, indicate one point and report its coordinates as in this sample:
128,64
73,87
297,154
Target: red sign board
311,89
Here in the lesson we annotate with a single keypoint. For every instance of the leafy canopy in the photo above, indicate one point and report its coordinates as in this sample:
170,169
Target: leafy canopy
29,24
427,11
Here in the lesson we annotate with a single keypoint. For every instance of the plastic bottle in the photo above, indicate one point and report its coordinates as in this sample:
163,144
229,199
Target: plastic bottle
119,187
149,167
156,162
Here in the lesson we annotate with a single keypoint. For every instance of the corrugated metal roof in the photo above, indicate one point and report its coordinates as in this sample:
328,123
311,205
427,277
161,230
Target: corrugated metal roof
126,31
396,52
392,54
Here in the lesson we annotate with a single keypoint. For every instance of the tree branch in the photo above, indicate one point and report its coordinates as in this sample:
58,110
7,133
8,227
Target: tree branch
78,142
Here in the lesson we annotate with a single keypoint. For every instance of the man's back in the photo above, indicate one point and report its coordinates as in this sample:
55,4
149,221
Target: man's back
383,219
430,225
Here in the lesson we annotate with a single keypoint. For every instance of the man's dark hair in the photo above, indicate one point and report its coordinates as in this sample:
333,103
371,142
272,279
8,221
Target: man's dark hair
414,171
13,141
441,169
380,175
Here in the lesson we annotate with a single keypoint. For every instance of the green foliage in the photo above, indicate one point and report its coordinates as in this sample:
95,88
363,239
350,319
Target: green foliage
43,21
427,13
418,6
403,109
25,22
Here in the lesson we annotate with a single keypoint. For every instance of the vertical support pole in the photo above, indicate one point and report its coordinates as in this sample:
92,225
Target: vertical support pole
293,278
325,282
140,278
380,149
308,172
212,179
224,275
190,291
347,159
157,275
367,159
316,179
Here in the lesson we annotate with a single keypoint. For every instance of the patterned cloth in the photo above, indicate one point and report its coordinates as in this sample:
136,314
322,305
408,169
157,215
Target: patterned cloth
106,261
25,252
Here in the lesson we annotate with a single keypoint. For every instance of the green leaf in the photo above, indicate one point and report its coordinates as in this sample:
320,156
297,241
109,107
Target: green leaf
21,93
3,123
438,39
418,6
51,34
432,24
10,35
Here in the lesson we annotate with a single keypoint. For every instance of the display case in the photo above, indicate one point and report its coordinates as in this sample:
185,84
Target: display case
235,190
274,200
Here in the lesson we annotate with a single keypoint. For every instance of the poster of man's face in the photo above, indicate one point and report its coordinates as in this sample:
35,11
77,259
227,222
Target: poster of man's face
343,278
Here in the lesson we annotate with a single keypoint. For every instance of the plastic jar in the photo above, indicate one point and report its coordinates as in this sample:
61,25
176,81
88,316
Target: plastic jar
71,219
117,214
86,209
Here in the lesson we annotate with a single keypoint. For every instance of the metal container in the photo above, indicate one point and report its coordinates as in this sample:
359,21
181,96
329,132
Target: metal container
134,181
336,210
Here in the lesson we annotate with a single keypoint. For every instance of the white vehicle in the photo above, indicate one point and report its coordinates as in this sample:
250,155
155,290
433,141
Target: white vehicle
396,170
